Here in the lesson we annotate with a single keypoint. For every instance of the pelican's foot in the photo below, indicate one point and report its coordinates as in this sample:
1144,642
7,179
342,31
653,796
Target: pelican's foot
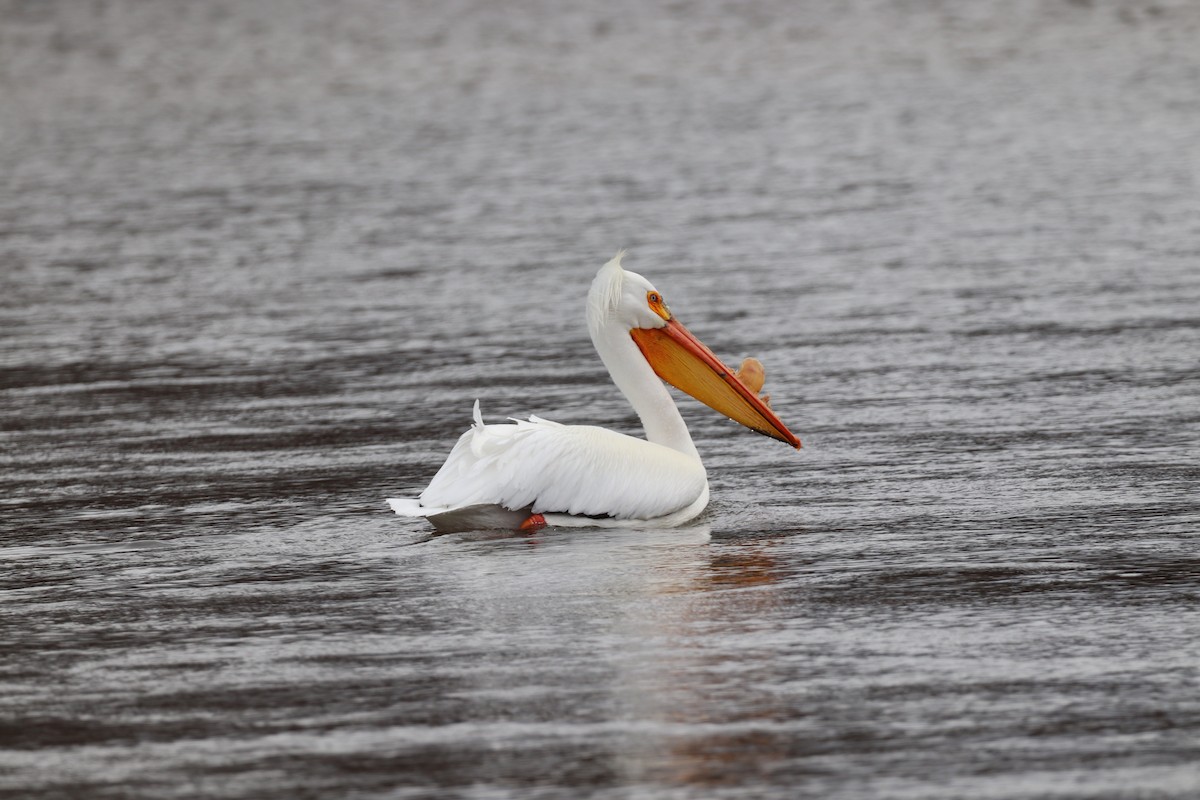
535,522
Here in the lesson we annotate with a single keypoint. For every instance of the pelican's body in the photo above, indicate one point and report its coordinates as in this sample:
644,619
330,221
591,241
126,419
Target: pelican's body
533,473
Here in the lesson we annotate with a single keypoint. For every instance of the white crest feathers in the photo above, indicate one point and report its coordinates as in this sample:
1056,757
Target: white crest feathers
605,294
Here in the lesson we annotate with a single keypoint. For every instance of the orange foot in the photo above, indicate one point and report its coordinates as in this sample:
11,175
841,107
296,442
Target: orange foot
535,522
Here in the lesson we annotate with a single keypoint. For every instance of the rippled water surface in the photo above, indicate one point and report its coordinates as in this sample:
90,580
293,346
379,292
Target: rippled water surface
257,260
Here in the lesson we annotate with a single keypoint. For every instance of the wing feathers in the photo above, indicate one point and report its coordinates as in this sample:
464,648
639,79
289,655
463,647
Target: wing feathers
573,469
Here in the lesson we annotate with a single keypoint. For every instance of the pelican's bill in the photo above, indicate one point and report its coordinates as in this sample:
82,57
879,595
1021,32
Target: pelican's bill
683,361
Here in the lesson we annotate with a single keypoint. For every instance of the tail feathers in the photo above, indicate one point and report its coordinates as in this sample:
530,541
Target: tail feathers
411,507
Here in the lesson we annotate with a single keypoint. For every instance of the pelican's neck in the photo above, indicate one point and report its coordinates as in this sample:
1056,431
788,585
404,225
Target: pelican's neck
643,389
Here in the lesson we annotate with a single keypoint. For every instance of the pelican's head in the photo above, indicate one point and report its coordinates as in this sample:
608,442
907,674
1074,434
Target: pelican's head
619,297
624,298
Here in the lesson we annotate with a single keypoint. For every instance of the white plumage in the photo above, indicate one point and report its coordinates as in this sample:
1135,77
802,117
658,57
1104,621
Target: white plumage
581,470
504,475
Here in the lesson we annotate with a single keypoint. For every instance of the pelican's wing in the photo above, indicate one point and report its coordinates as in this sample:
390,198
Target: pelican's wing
572,469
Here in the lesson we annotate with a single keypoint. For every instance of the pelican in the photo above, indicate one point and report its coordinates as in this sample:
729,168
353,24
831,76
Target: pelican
530,474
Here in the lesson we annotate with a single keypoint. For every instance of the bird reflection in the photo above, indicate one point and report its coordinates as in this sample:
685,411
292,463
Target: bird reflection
650,656
705,688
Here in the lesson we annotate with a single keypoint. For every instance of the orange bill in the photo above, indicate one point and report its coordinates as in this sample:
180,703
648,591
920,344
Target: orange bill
682,360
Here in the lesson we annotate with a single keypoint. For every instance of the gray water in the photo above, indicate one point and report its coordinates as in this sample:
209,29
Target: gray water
257,260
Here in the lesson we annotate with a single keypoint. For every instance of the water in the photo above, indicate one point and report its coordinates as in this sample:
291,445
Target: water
258,260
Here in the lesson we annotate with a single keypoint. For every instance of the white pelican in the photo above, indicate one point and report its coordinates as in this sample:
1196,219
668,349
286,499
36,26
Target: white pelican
530,474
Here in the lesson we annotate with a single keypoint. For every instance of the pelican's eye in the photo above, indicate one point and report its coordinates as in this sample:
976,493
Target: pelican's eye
655,301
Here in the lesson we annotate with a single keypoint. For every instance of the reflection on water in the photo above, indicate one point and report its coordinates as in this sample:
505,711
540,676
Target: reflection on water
255,268
716,720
